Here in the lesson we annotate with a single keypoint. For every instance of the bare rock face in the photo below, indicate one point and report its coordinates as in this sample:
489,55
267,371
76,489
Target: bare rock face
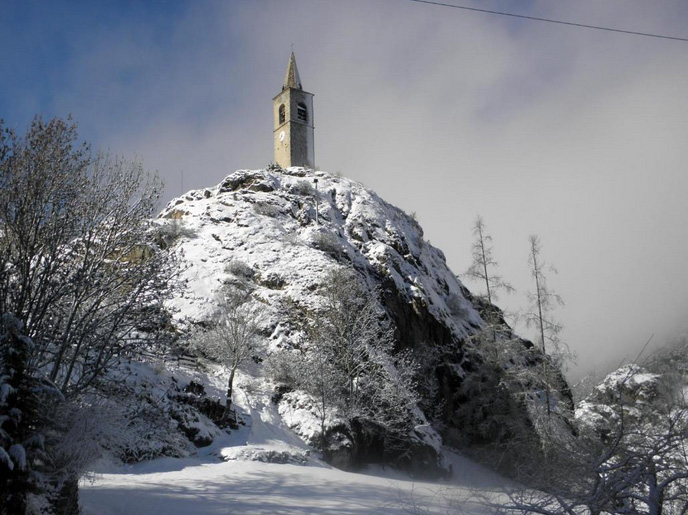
281,231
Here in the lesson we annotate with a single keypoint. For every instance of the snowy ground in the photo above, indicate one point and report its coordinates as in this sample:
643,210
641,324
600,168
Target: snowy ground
260,488
263,221
191,486
232,476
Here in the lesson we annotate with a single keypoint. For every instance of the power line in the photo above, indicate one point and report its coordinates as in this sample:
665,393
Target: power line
549,20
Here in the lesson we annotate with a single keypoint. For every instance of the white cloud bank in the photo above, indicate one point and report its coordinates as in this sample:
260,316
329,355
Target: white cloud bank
576,135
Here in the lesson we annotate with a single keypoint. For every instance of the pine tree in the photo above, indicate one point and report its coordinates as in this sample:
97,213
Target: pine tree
22,420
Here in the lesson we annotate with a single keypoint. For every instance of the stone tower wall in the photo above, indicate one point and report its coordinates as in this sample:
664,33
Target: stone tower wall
297,147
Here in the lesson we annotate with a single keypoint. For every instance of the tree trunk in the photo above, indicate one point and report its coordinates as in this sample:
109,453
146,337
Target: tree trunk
228,404
484,263
67,502
323,418
536,268
655,494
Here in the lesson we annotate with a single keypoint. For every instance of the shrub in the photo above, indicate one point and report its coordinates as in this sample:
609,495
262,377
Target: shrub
302,188
266,209
273,281
283,367
327,242
171,231
239,269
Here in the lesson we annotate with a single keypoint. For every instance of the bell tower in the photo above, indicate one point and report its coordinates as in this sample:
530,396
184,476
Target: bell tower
293,122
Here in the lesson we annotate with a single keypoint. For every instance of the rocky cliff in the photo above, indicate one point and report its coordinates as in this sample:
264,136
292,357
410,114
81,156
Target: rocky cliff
282,231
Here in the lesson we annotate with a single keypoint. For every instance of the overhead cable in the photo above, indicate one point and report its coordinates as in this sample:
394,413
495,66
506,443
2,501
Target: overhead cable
550,20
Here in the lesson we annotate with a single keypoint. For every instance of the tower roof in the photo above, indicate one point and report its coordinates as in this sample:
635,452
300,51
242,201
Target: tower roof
292,79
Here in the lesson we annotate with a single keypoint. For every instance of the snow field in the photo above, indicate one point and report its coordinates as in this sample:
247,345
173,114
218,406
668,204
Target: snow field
232,475
262,221
252,487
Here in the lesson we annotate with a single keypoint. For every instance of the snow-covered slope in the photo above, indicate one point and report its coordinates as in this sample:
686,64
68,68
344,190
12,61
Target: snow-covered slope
632,392
266,220
281,232
265,468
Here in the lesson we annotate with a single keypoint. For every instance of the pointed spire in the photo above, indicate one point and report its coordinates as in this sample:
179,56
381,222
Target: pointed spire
292,79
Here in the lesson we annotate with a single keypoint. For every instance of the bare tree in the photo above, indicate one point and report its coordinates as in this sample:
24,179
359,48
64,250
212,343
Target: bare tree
349,328
393,400
81,276
78,266
233,338
349,367
318,377
483,265
543,300
629,456
494,336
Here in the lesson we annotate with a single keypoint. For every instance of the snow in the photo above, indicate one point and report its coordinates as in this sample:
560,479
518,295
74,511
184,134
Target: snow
230,223
257,229
242,487
204,486
266,437
629,388
265,220
5,459
631,377
18,454
5,390
266,468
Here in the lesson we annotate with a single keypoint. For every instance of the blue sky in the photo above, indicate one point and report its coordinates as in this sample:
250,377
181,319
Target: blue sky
578,136
106,63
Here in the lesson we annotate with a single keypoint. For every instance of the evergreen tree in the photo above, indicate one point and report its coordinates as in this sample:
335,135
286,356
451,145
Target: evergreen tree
22,420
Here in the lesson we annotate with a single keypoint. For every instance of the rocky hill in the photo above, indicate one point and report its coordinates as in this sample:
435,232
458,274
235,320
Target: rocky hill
281,232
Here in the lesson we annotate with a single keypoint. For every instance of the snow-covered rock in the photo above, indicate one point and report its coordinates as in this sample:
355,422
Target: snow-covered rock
282,231
266,220
627,391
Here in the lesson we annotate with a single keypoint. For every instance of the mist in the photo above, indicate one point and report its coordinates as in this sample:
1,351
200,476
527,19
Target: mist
578,136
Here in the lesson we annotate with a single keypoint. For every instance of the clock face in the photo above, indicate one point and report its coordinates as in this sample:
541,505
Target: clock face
281,136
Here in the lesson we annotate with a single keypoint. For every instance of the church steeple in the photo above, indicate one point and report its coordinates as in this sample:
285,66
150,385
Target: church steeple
291,78
293,122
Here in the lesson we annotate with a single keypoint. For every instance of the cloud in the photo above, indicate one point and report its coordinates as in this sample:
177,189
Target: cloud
575,135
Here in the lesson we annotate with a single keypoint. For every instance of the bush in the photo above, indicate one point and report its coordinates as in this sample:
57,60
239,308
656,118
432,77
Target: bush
283,368
327,242
239,269
171,231
273,281
266,209
303,188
